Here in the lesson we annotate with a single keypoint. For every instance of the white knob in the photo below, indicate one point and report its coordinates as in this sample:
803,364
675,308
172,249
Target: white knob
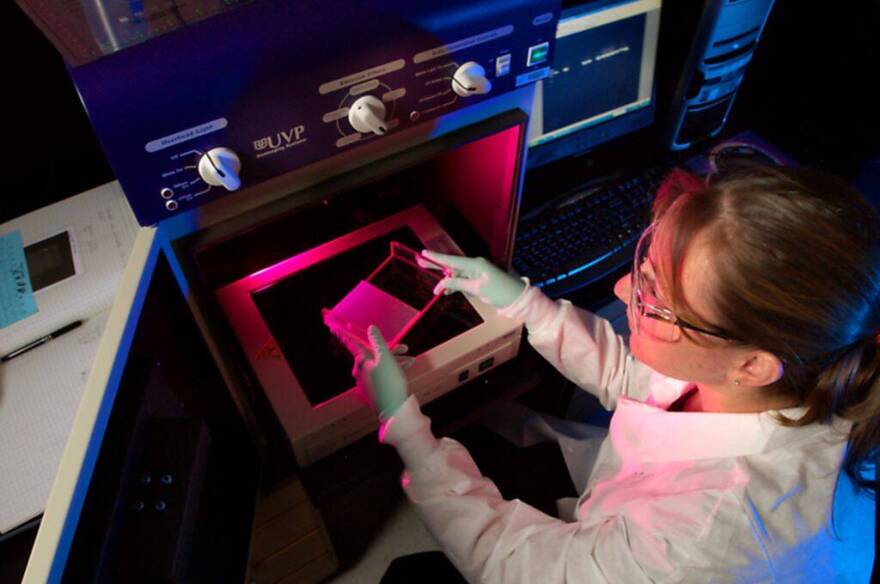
470,79
367,114
220,167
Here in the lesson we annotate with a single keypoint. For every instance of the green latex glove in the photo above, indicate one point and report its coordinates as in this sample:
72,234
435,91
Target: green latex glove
380,376
479,277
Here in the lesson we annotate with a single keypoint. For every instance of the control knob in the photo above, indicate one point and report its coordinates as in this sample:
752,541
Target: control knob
470,79
367,114
220,167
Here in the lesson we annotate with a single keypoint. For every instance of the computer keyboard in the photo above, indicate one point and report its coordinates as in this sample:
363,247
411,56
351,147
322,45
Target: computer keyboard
587,234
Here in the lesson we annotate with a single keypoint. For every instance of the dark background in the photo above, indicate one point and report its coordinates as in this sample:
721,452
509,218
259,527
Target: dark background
52,152
810,87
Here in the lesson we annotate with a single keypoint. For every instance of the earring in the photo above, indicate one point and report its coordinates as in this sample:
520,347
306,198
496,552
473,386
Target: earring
736,381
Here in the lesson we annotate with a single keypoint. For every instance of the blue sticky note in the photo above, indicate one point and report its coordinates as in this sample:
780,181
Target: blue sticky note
16,296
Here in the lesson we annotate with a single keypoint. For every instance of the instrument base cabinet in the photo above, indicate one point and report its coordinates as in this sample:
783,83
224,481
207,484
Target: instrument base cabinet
289,542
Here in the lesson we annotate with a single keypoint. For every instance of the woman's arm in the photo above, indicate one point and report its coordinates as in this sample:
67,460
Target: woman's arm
490,539
582,346
494,540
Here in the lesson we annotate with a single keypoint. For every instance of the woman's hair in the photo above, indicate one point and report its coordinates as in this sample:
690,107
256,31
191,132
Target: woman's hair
797,273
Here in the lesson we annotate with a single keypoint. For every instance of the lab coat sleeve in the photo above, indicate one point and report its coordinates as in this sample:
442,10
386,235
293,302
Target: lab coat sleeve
490,539
582,346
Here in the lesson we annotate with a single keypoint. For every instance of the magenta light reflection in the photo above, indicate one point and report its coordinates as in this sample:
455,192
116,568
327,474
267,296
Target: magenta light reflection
294,264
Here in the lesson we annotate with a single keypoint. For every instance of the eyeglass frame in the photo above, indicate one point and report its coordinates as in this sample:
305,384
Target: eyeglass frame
660,313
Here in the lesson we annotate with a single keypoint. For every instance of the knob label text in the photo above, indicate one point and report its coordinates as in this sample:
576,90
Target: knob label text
184,135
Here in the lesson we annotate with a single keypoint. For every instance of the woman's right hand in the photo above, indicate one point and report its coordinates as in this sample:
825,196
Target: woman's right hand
479,277
379,375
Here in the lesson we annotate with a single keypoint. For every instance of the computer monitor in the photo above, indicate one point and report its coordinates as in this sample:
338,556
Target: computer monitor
601,83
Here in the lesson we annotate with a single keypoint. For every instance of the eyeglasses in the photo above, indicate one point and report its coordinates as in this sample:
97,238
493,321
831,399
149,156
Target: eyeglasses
649,315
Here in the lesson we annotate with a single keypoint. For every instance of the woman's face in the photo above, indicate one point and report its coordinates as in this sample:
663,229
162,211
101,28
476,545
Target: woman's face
705,362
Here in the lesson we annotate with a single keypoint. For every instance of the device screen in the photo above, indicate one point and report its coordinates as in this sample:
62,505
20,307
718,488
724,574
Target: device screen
603,70
50,260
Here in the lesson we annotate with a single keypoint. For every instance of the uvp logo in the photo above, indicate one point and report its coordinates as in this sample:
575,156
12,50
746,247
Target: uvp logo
283,139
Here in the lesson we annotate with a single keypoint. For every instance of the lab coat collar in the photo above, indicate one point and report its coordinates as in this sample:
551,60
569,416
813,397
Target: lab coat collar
642,432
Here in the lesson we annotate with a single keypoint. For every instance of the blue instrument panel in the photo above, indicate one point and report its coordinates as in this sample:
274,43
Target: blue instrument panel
275,84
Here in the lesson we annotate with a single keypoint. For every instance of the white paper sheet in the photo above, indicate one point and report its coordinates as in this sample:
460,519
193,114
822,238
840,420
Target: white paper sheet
40,390
39,394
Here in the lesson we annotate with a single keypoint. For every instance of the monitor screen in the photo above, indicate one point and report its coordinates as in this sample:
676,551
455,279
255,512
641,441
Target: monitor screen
601,83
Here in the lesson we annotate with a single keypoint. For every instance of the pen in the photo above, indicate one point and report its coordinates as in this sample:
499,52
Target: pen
41,341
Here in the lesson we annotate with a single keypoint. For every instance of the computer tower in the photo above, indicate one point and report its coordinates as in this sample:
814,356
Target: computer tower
724,42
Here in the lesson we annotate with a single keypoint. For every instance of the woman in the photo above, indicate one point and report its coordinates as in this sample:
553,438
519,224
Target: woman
760,291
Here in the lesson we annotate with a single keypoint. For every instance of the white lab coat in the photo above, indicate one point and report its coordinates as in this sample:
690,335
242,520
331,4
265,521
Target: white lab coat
671,496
